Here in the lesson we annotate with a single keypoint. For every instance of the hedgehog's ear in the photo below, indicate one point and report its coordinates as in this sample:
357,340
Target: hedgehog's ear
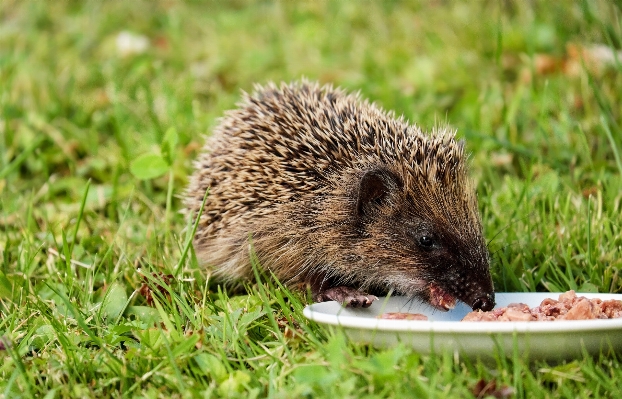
376,186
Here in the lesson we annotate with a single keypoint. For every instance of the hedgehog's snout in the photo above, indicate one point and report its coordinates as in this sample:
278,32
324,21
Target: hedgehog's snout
485,303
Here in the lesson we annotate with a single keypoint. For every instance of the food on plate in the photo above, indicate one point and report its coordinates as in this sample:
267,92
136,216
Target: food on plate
569,306
402,316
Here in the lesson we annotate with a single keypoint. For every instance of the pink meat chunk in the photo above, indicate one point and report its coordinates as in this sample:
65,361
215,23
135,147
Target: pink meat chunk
568,307
402,316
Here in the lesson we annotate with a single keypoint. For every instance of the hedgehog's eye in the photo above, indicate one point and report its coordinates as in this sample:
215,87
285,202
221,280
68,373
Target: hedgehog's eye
426,242
424,236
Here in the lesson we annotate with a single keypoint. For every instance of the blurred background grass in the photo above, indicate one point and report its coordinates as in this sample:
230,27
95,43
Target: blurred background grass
542,120
86,87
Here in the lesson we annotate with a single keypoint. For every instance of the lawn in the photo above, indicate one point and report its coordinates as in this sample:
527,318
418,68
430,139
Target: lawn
100,292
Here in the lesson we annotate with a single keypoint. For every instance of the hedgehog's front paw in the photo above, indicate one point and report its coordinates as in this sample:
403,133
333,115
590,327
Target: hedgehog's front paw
347,296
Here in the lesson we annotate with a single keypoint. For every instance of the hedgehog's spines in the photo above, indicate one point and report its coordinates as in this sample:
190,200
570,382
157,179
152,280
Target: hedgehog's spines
283,167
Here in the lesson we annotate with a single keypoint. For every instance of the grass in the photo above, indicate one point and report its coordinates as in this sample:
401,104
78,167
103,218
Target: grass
80,234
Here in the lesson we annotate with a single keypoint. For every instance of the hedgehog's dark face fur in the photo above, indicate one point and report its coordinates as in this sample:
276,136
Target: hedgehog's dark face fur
337,192
423,241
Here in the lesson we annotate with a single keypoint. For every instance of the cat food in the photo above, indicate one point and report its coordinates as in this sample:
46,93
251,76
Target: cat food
569,306
402,316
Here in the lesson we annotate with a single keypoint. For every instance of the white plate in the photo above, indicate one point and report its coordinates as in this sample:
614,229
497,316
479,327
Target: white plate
548,340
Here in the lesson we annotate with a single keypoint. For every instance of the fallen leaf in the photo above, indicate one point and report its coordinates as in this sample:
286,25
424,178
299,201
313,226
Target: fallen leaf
545,64
595,57
485,388
590,191
147,291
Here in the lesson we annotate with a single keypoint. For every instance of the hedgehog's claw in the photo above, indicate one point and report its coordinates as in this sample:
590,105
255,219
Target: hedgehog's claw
347,296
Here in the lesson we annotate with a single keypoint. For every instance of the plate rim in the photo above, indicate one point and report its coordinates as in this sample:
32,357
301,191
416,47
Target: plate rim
469,327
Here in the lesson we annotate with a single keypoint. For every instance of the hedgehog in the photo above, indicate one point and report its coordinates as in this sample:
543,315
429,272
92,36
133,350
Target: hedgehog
333,193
